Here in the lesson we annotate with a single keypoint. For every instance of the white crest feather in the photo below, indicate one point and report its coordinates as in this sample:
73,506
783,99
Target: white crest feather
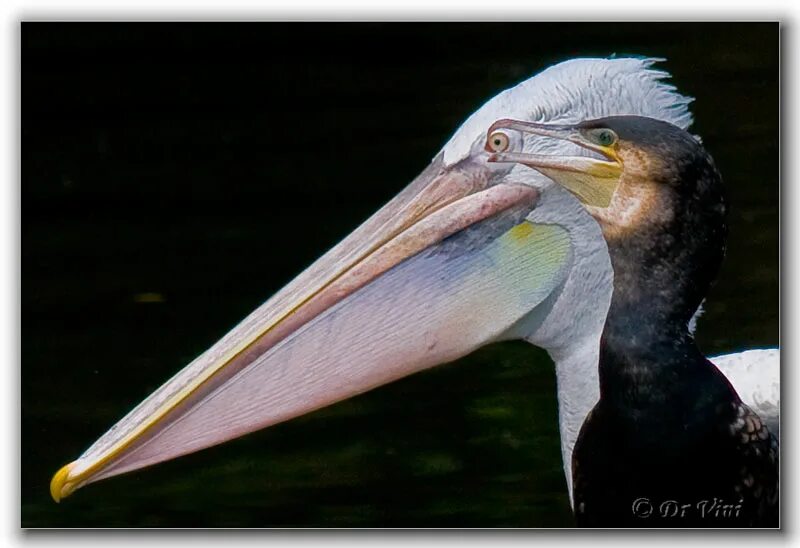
575,90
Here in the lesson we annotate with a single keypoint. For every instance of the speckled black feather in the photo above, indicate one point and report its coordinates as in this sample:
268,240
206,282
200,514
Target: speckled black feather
669,431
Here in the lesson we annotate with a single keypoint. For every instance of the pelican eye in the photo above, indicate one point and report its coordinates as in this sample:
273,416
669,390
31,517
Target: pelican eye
603,136
498,142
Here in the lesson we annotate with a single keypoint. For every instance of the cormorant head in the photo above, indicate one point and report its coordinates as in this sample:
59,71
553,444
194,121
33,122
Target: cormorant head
633,172
651,186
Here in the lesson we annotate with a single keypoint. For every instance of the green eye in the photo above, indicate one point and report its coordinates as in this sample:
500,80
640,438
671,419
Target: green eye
604,137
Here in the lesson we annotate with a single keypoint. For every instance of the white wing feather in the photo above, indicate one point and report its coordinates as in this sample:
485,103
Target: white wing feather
756,376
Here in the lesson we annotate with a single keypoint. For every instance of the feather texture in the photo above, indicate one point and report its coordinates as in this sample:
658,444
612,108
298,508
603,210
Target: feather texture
575,90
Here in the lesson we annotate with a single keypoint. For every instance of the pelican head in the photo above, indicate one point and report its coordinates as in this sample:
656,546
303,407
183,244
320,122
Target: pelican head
471,252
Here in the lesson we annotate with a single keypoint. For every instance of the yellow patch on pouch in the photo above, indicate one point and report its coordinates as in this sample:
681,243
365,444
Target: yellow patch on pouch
521,231
533,252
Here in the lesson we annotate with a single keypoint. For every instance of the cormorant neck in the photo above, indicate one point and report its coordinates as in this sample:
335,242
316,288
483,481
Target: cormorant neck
666,233
644,366
656,285
662,271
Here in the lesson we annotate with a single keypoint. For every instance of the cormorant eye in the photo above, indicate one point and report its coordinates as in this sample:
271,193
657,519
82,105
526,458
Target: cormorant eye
603,137
498,142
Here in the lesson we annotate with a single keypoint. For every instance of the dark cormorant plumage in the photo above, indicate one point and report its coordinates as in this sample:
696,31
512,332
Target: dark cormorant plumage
670,443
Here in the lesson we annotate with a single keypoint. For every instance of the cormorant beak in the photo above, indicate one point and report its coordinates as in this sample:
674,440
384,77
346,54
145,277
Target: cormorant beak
447,266
593,180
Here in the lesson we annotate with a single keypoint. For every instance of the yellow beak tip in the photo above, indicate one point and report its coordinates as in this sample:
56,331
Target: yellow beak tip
59,486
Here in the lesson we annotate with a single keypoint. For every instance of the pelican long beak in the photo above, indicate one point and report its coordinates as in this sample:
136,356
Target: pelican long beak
448,265
593,180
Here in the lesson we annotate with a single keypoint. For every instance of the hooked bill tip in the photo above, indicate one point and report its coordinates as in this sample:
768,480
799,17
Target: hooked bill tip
59,486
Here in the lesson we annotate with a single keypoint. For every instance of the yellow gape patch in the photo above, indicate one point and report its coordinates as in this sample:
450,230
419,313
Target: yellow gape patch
592,189
637,199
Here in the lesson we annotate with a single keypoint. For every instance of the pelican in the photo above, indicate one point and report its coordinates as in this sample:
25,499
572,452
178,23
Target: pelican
469,253
668,425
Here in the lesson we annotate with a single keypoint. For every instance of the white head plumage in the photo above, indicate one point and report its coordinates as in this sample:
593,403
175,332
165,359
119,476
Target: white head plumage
576,90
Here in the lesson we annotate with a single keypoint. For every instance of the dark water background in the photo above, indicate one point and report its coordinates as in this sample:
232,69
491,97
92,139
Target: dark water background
175,176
